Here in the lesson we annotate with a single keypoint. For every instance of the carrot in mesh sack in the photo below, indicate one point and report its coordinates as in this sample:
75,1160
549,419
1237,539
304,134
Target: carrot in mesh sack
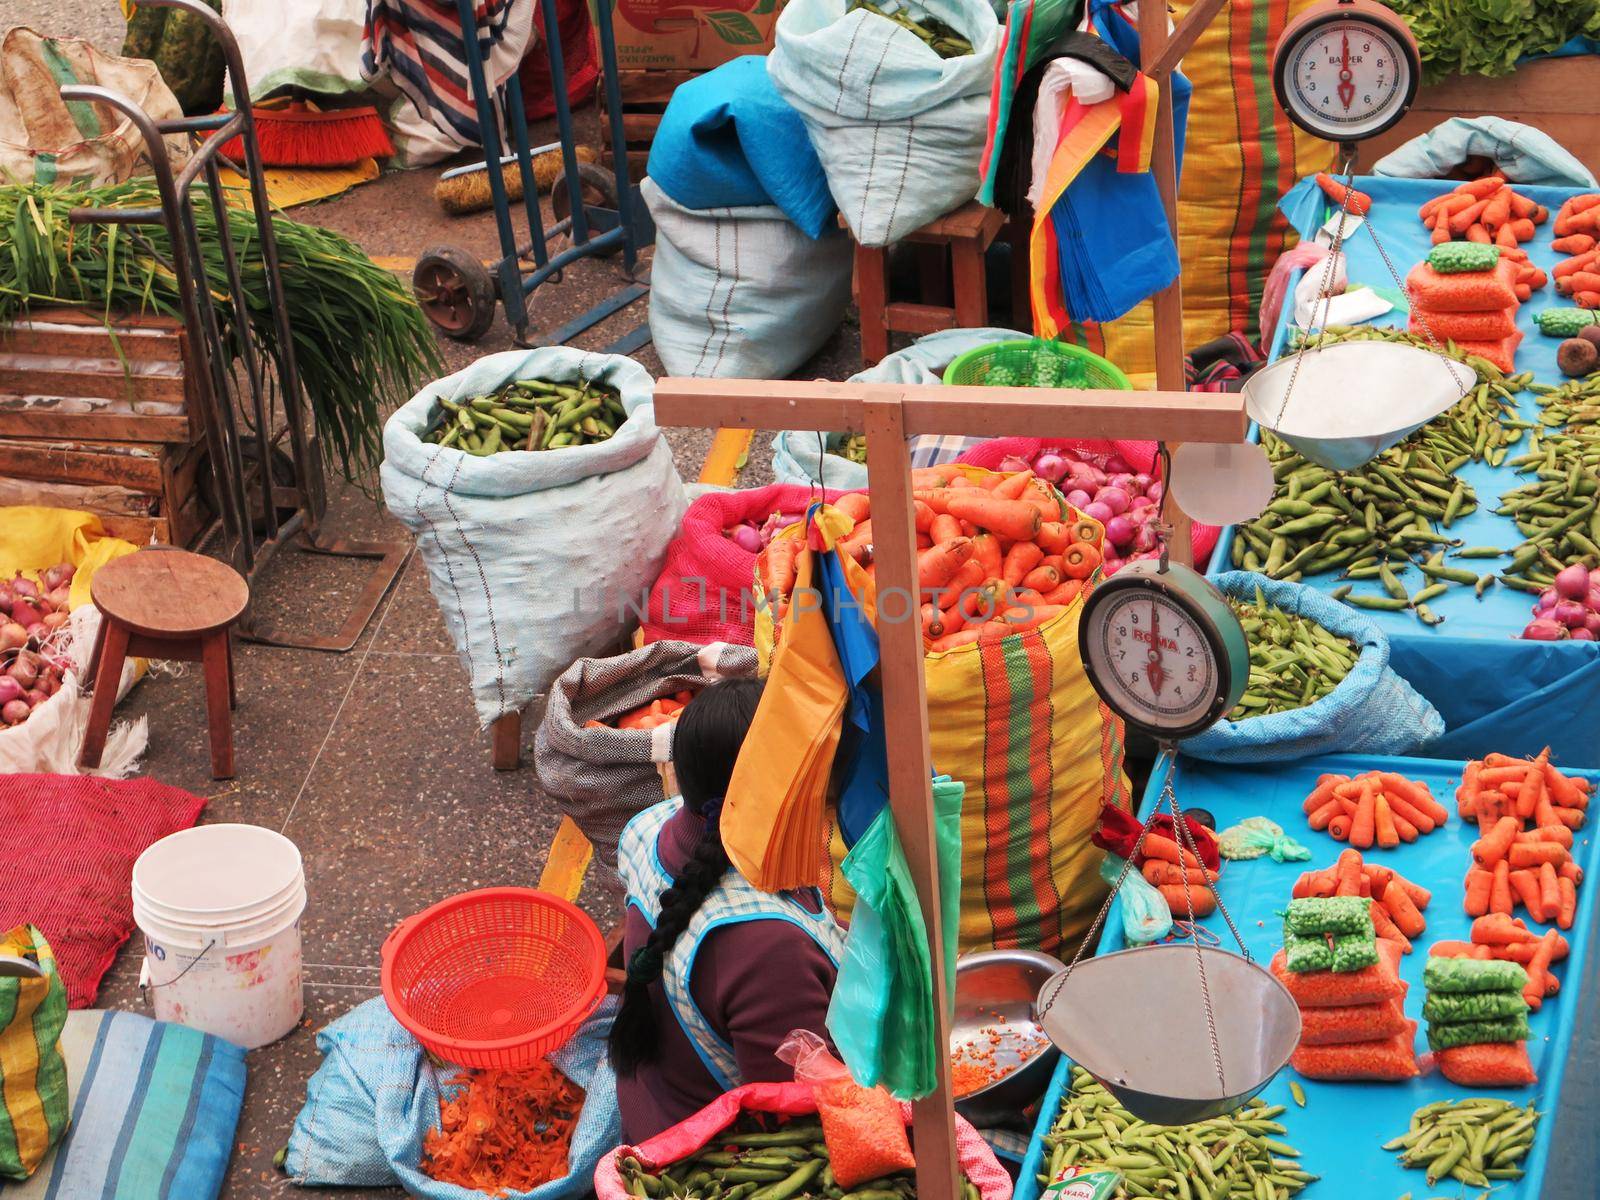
1351,1023
1458,326
1389,1060
1470,291
1325,989
862,1127
1487,1064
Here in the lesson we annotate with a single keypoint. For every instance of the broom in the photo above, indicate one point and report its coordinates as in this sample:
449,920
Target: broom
298,134
466,189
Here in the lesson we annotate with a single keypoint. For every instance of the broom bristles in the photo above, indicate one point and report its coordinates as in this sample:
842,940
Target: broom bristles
332,139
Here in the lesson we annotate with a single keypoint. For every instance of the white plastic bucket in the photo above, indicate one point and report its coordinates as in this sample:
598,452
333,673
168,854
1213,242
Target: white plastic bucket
219,907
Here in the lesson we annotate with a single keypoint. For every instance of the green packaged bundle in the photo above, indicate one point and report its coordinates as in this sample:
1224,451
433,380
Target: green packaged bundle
1467,1033
1457,258
1566,322
1329,914
1302,954
1354,951
1473,975
1446,1007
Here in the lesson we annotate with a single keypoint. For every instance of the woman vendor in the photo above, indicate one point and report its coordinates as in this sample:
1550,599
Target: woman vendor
718,972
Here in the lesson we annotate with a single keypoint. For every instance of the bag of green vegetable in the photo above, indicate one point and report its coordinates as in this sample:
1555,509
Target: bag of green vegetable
535,558
1369,709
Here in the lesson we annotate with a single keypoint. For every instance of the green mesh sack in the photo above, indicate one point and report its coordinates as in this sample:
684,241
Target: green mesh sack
1446,1007
1458,258
1473,975
1302,954
1354,951
1329,914
1467,1033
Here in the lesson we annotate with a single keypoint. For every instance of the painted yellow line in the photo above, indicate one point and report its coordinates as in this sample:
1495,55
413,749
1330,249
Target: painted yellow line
567,863
721,467
570,852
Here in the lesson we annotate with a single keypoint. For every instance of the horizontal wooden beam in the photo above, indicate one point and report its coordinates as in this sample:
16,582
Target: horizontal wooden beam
1201,13
1217,417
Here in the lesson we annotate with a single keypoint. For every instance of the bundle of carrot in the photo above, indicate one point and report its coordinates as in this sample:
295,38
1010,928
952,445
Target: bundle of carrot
1375,808
1498,936
1526,811
1178,875
503,1131
1484,210
1578,236
1397,903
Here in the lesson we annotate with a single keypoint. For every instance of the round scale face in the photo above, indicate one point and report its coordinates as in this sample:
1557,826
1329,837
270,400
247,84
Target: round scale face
1152,660
1346,78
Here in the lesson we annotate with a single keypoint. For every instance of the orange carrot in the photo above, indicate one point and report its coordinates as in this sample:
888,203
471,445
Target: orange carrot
953,641
1415,794
1479,888
1574,243
1011,487
1019,560
1404,810
1054,536
1536,854
1498,929
1404,912
1532,790
1572,818
1339,827
1004,518
934,477
1383,925
1490,849
1523,952
1440,234
1157,845
1030,616
1343,195
1383,824
1526,886
1493,805
1407,831
1316,883
1537,969
1522,229
779,566
1572,871
944,528
1500,888
1482,188
1453,950
1180,901
1320,819
938,566
1464,220
1042,578
1349,874
1477,233
924,516
1557,834
1566,902
1080,560
1159,871
1362,828
1497,211
1467,792
1323,792
1065,593
1549,890
986,550
1568,793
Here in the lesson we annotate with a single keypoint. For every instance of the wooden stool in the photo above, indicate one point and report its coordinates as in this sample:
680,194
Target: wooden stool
961,238
166,603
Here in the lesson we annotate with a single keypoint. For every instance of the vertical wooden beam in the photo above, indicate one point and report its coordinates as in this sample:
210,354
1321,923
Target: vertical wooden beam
872,298
506,734
1168,303
905,704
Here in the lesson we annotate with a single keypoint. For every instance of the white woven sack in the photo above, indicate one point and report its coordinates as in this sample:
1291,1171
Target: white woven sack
741,293
899,130
535,557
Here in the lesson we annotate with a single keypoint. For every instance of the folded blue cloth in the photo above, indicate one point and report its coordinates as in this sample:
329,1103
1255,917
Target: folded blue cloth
728,140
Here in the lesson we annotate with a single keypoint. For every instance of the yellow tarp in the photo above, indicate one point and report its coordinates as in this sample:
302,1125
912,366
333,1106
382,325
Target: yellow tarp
34,538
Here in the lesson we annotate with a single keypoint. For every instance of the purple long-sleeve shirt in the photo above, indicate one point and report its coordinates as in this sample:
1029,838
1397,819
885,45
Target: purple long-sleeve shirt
753,981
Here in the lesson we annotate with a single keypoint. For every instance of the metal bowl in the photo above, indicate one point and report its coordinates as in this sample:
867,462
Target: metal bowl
997,986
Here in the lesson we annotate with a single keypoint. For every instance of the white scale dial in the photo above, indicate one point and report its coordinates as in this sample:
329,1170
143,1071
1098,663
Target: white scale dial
1347,78
1153,656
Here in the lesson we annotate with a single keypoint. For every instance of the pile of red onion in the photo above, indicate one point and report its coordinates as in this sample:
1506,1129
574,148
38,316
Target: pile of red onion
753,535
1570,609
1126,502
30,614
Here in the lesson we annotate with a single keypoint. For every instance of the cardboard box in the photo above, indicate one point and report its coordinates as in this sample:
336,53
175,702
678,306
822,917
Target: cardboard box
690,35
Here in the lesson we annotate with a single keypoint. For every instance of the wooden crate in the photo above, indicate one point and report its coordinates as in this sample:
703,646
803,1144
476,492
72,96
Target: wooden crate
102,419
1555,95
644,99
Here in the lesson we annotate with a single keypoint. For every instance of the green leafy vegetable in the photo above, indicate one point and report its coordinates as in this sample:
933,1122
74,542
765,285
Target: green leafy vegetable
1487,37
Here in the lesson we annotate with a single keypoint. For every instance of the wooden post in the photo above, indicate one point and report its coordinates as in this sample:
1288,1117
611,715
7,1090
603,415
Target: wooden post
506,737
905,715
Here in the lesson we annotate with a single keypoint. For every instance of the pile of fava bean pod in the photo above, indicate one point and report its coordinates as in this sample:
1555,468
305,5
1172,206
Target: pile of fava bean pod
530,414
1558,510
1478,1141
1293,660
1232,1156
786,1163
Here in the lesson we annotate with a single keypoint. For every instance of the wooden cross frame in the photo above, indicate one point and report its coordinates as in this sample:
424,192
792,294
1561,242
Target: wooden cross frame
888,414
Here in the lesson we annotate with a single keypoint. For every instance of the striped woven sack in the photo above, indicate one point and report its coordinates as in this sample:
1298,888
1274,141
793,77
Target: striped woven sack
33,1075
1241,154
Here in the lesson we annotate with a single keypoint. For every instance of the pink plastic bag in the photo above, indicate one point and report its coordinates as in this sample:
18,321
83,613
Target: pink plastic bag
687,1137
1141,456
861,1125
704,591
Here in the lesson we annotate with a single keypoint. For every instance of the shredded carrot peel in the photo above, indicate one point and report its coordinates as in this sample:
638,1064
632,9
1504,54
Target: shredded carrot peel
503,1131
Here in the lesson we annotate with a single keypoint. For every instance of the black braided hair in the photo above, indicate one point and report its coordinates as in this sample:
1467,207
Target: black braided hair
705,745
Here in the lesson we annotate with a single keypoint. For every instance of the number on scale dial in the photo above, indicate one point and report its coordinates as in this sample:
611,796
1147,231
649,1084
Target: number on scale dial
1152,654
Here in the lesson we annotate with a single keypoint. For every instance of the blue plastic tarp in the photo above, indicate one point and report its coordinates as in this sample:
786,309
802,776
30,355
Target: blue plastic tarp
728,140
1495,692
1341,1130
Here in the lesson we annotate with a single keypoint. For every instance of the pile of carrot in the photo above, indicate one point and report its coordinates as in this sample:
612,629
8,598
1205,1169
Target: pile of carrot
1578,236
1179,876
1484,210
1526,811
1397,903
1496,935
503,1131
658,712
1343,195
1377,808
997,553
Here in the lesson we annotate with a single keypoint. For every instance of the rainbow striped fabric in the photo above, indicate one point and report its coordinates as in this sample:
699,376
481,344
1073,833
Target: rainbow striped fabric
154,1110
33,1078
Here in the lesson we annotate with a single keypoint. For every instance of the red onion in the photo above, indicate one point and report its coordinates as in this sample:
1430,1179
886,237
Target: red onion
49,683
1572,582
1050,467
5,599
1582,635
24,587
1079,498
24,669
12,636
1099,511
1114,498
1155,491
1012,463
14,712
1142,481
1139,503
1122,479
60,598
10,689
26,612
1144,539
1117,465
1546,631
37,632
1594,577
747,539
1568,612
1119,532
1592,622
58,575
35,697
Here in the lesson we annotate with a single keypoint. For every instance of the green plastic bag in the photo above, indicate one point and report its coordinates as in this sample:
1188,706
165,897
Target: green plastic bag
881,1014
33,1075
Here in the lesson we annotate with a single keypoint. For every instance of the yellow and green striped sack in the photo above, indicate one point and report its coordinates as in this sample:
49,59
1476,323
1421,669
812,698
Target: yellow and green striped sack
1240,155
33,1075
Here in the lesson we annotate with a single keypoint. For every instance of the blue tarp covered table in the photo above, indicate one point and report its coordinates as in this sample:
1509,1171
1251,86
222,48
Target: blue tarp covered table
1496,693
1341,1130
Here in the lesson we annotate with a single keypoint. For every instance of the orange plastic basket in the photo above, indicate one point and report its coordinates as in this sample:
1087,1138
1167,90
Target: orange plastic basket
494,978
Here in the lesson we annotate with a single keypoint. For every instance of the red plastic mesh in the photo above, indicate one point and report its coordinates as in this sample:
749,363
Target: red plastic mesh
78,837
1141,456
698,595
